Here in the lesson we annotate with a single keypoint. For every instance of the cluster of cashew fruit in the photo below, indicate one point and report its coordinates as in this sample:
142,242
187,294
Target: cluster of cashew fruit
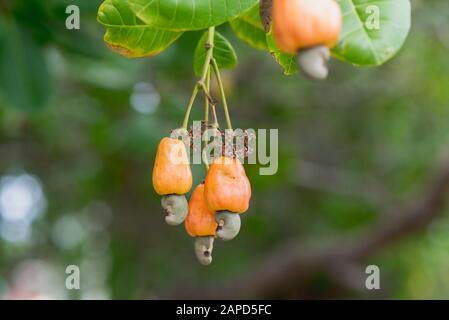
308,29
215,205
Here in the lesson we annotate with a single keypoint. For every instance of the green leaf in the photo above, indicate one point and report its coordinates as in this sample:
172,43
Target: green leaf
182,15
25,81
286,61
128,35
248,27
223,53
362,42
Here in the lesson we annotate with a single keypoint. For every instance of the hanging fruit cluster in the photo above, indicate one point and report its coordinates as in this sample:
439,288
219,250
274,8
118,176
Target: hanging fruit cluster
216,204
306,31
304,27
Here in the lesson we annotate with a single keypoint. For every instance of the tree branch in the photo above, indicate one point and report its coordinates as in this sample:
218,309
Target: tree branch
341,181
288,267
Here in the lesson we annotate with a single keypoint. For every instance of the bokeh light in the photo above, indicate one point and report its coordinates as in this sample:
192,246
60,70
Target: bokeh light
145,98
21,201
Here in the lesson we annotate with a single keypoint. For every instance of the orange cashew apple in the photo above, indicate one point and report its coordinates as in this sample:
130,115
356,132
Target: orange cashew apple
172,178
200,223
171,173
227,191
308,28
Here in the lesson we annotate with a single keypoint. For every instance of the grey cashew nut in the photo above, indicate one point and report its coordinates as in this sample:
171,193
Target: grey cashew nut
175,207
203,249
228,225
313,62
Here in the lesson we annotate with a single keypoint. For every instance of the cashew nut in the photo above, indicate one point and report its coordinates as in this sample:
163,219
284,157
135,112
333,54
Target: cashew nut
228,225
175,207
203,249
313,62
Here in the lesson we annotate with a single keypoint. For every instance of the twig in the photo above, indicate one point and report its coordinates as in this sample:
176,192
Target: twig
266,13
4,6
216,70
201,84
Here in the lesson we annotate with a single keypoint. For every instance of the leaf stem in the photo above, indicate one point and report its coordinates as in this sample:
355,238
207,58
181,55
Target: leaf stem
222,92
190,105
209,54
201,84
214,117
204,157
207,103
206,99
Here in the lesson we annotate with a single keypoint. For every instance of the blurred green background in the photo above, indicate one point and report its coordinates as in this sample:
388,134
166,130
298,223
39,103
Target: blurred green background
79,127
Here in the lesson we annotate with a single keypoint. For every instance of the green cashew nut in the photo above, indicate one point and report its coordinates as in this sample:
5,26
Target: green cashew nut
175,207
228,225
203,249
313,62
